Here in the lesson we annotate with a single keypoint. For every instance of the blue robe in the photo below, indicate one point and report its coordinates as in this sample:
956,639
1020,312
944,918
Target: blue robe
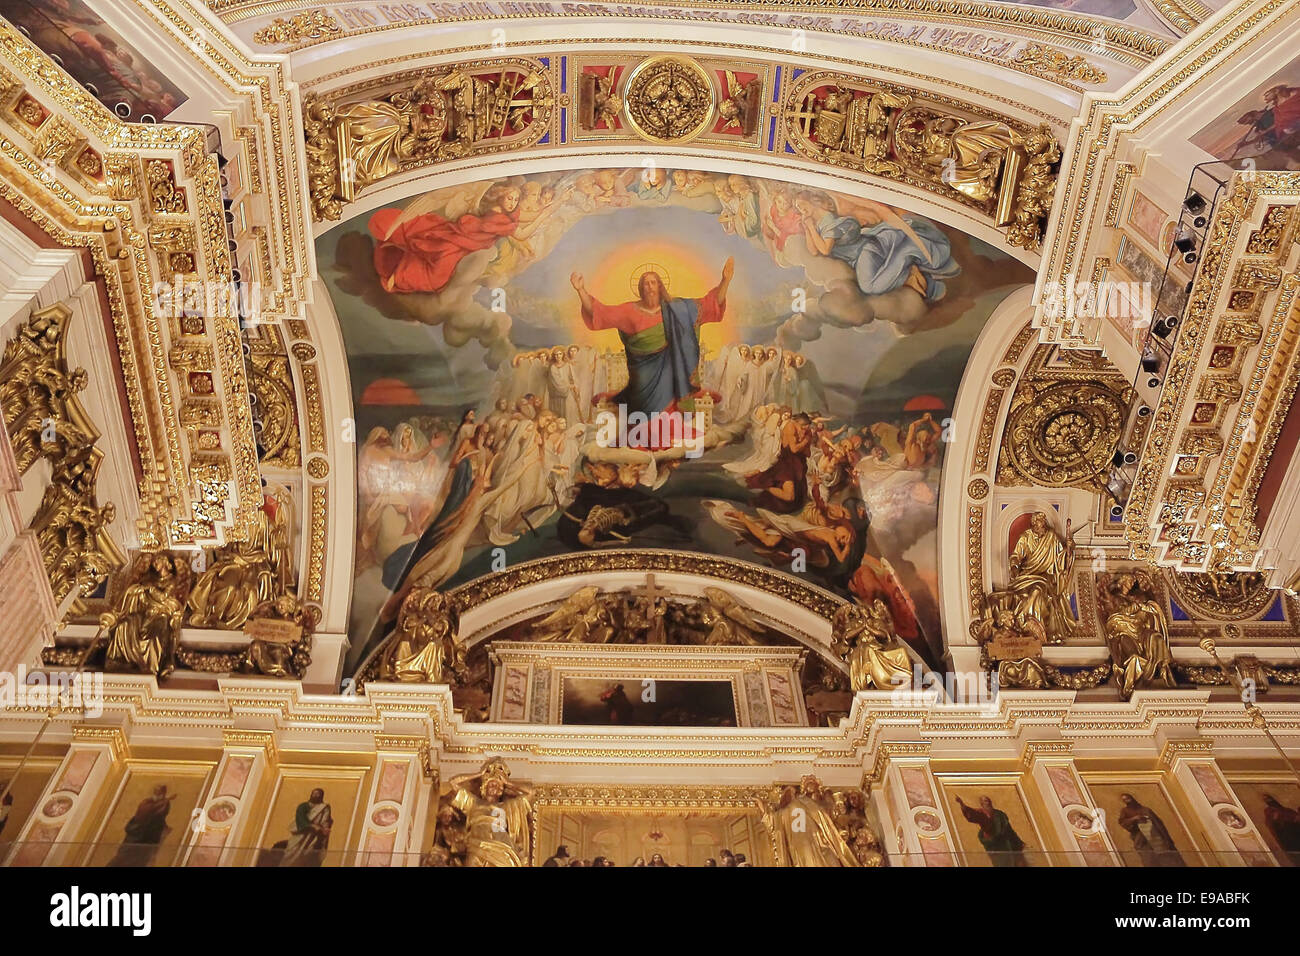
657,379
882,255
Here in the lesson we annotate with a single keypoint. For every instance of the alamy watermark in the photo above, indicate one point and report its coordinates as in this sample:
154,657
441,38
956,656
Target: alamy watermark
659,430
1072,300
182,298
47,690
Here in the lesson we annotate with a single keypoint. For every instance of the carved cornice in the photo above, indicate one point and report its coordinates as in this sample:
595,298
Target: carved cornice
960,25
1236,362
1092,165
145,201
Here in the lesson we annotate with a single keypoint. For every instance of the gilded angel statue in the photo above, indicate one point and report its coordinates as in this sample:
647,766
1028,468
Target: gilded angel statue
727,620
424,643
583,618
144,626
865,638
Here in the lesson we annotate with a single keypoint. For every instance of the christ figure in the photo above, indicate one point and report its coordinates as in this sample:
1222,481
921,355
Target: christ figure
661,337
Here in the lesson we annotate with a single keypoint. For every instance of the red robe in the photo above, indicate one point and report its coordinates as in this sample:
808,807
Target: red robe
422,253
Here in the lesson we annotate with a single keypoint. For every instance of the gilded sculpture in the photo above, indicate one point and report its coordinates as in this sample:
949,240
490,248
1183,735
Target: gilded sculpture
1137,633
581,618
1007,170
425,641
668,99
1042,579
852,129
801,824
646,616
968,156
443,115
864,636
486,820
44,419
1014,641
243,575
599,102
144,626
743,104
727,620
280,636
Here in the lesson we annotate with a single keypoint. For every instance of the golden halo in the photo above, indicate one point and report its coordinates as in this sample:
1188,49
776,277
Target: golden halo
635,279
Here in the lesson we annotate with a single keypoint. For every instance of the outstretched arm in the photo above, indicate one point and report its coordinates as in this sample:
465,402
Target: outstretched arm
728,270
576,280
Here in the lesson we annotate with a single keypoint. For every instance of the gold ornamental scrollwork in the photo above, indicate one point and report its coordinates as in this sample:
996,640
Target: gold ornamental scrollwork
668,99
1221,595
1056,63
45,419
783,586
1003,168
354,140
312,25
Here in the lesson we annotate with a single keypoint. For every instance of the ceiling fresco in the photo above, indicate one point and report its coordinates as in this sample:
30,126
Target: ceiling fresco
662,358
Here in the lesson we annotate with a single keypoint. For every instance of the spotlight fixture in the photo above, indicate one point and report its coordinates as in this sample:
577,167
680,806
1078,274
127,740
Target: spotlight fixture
1150,360
1144,411
1153,382
1194,203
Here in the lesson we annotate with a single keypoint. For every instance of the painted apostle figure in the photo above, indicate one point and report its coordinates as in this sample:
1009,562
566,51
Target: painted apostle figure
660,336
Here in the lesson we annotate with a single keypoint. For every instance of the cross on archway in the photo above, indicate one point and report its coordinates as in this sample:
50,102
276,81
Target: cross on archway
650,591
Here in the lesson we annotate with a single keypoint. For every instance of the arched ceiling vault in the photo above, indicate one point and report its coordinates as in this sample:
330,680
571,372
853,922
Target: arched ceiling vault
283,102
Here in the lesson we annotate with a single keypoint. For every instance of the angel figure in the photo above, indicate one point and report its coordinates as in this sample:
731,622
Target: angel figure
1137,633
424,641
283,650
600,102
885,250
727,620
740,109
419,248
583,618
864,637
144,626
497,816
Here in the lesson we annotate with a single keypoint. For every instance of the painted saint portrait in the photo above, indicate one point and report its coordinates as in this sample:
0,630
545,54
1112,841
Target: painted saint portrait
145,830
309,835
626,358
996,834
1274,808
1143,824
648,703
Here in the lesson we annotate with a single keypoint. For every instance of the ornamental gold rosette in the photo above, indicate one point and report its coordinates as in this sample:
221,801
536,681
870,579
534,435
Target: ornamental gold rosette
1003,168
668,99
1066,435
